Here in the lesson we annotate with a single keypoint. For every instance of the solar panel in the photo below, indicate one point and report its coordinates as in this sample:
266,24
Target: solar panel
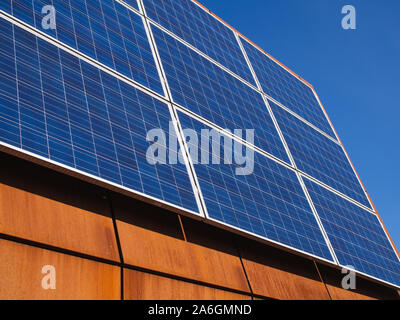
191,23
269,202
77,115
319,156
285,88
356,235
103,30
132,3
63,109
207,90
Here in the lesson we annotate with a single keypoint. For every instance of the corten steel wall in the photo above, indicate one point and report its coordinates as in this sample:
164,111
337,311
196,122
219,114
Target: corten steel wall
107,246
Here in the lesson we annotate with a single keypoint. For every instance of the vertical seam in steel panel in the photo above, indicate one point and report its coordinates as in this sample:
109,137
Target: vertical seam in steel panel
322,279
117,238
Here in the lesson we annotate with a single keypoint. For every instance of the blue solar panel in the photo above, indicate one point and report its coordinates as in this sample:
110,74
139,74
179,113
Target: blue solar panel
356,235
268,202
207,90
192,24
287,89
63,109
103,30
132,3
319,156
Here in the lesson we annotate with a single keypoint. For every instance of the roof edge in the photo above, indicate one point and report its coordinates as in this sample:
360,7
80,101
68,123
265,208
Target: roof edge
255,45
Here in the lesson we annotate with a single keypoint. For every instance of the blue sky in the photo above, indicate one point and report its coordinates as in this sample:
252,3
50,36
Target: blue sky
355,73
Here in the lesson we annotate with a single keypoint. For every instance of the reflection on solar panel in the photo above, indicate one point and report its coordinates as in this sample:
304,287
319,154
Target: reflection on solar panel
319,156
66,110
269,202
192,24
63,108
356,235
103,30
286,88
207,90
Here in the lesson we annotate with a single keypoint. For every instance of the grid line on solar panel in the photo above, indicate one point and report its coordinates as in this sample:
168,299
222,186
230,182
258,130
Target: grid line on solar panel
105,31
212,93
108,119
195,26
269,202
356,235
319,156
301,119
286,88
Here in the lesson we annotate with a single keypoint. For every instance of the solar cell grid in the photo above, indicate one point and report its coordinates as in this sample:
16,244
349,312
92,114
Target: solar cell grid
269,202
66,110
356,235
132,3
191,23
103,30
319,156
207,90
287,89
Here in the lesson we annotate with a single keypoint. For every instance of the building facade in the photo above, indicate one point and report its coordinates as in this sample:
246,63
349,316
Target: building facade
150,151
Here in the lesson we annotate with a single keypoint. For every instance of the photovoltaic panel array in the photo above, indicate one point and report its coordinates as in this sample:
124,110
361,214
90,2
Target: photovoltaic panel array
69,112
285,88
63,109
212,93
103,30
356,235
319,156
269,202
191,23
